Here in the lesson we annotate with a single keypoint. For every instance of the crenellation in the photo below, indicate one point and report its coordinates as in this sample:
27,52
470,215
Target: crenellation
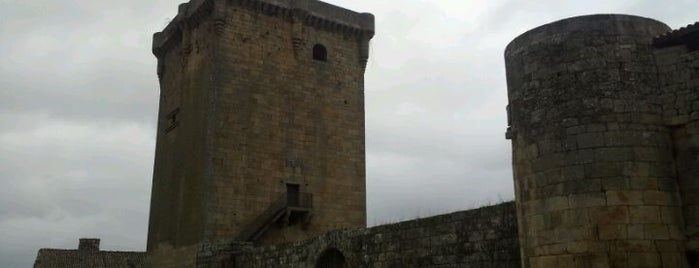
312,13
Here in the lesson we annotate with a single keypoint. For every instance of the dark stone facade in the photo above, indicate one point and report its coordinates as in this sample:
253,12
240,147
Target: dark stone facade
604,142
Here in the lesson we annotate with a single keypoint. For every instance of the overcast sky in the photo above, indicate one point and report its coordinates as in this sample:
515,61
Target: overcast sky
79,92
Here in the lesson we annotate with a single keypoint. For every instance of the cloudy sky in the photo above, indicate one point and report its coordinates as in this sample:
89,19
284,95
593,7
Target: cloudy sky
78,100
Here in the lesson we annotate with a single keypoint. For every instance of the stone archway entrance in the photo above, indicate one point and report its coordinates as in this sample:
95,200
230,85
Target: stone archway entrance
331,258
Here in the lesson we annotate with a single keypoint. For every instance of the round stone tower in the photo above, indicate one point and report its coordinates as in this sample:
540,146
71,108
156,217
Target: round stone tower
593,162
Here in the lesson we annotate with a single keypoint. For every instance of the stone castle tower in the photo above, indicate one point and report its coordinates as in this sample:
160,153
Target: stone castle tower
604,123
261,126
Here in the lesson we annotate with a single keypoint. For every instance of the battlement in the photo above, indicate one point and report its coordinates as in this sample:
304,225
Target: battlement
311,12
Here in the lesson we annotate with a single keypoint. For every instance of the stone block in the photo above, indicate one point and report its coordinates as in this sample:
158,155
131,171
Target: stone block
586,247
591,140
667,184
636,169
612,231
614,154
676,120
583,186
546,261
608,215
604,169
587,200
645,214
548,250
570,173
575,130
674,259
678,233
661,170
644,260
536,222
556,203
635,231
562,235
656,231
618,259
615,183
550,146
527,152
616,138
632,246
647,118
552,176
580,157
646,154
643,183
615,198
571,143
573,218
534,207
590,261
659,198
670,246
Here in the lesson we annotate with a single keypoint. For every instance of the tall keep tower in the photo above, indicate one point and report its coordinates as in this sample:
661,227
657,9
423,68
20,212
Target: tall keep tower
261,125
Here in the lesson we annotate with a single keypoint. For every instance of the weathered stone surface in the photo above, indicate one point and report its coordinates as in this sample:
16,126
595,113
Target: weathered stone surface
621,105
258,98
484,237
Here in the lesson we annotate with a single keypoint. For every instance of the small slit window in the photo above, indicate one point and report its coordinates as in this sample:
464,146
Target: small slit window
320,53
173,120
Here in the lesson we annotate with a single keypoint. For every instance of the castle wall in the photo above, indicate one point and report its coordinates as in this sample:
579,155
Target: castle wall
484,237
678,68
593,158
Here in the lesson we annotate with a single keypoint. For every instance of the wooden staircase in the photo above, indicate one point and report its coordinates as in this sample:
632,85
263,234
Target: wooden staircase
279,212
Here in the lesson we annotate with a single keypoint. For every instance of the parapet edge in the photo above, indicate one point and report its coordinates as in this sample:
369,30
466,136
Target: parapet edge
688,35
577,22
316,13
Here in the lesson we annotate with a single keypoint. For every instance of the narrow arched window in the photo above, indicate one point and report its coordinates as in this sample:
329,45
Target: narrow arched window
320,52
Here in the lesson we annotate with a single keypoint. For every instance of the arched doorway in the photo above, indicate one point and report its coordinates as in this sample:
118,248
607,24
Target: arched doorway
331,258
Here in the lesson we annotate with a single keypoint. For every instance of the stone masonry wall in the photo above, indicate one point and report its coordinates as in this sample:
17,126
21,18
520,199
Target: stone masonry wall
177,212
593,159
284,118
248,110
678,68
484,237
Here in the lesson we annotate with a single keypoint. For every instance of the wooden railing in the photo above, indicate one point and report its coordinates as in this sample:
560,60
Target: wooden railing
276,210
